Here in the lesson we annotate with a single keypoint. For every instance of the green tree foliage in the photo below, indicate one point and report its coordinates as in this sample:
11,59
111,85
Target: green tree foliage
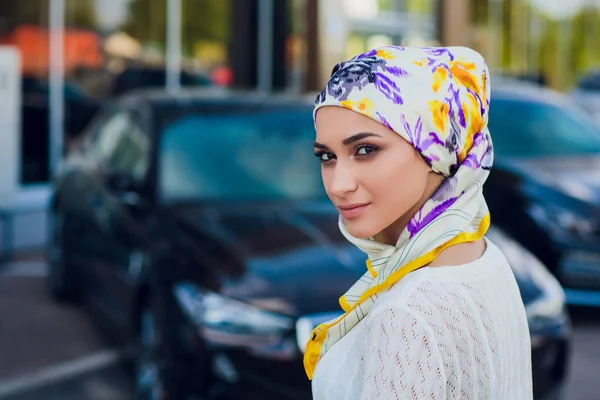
582,44
201,20
78,13
81,14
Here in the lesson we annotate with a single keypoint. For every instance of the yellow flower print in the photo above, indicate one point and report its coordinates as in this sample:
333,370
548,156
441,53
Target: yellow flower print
439,111
474,123
440,76
346,104
468,65
418,63
483,85
460,72
364,106
386,55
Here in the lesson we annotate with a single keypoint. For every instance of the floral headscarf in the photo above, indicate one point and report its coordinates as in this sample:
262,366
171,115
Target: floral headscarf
438,100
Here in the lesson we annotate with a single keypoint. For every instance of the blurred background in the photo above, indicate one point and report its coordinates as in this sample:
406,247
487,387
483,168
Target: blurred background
107,207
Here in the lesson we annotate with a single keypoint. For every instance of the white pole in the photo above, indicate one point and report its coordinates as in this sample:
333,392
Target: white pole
265,45
173,48
56,84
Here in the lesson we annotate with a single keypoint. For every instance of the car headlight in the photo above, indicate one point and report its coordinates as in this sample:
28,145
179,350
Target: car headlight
549,301
561,220
227,321
307,323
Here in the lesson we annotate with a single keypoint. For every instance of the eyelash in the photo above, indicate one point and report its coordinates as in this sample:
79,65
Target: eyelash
369,147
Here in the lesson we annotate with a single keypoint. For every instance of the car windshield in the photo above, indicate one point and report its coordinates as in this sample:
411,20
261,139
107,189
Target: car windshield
523,128
266,156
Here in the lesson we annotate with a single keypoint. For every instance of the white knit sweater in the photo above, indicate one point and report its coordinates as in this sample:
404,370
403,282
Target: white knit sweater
440,333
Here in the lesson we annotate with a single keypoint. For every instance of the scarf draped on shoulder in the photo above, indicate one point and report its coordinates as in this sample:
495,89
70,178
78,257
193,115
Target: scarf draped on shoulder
438,100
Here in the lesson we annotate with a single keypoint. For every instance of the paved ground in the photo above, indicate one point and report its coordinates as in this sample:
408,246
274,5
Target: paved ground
55,353
583,383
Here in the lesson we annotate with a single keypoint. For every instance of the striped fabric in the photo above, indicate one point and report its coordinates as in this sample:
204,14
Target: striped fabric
437,99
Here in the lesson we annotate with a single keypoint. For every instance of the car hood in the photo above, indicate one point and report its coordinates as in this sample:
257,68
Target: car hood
291,259
576,176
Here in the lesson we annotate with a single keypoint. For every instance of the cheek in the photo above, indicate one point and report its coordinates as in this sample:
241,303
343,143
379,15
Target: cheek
399,180
327,177
398,187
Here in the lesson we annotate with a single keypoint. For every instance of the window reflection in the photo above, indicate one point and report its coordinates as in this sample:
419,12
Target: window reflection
268,156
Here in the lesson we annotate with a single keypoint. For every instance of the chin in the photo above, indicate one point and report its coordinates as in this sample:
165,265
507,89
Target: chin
361,229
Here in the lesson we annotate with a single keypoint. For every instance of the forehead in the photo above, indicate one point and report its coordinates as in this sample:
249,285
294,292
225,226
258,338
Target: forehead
333,120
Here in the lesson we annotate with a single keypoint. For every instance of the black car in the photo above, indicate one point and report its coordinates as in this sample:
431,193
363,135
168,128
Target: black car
149,76
544,189
196,229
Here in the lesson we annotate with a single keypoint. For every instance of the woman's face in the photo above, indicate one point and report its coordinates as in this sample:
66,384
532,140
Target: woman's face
374,177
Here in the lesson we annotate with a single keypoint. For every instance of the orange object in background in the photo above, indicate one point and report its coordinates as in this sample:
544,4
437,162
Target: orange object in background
83,48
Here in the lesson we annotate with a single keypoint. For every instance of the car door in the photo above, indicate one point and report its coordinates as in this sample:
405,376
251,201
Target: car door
83,195
123,148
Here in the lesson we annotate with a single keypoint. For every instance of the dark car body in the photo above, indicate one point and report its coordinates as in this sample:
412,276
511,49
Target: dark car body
228,262
544,189
145,76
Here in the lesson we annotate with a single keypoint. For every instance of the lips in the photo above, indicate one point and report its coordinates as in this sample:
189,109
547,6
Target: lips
352,210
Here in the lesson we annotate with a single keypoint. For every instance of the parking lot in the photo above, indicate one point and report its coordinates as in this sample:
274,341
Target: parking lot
57,351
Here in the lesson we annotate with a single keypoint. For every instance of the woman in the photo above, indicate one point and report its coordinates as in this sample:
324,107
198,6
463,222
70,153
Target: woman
402,137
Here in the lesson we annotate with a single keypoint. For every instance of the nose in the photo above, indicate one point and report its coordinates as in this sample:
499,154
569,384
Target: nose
343,181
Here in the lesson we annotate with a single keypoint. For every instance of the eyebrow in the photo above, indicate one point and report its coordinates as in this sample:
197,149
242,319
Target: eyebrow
354,138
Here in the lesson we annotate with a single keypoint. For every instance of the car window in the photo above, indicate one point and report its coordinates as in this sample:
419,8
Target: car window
243,156
121,146
524,128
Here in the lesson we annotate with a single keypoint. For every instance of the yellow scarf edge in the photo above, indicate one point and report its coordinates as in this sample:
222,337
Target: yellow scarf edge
313,347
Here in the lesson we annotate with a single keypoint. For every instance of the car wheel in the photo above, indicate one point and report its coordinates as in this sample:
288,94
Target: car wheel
60,281
166,367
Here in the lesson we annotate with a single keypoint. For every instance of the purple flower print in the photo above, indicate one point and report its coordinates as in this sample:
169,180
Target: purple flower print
434,67
447,190
438,51
388,87
370,53
471,158
461,113
419,221
384,121
477,96
419,141
488,157
352,74
358,72
396,71
445,196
